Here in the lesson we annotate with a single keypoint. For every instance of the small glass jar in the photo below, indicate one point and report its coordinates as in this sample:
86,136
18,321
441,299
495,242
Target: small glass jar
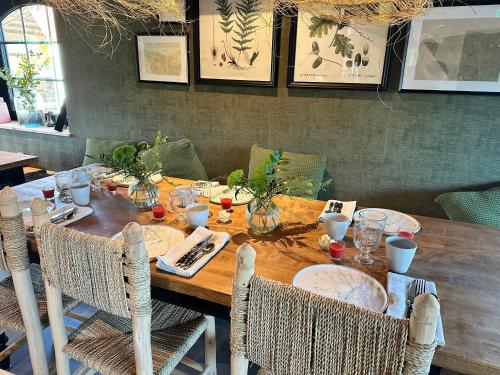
336,249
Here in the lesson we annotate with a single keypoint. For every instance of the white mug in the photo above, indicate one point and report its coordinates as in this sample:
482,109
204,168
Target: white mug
336,225
399,252
80,194
197,214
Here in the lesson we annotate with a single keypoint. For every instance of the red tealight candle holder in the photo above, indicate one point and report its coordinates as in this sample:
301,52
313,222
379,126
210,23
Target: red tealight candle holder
226,203
48,193
158,212
336,249
111,186
406,233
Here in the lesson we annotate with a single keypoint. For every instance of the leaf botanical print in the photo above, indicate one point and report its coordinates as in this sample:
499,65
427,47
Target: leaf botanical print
225,9
246,17
320,27
343,45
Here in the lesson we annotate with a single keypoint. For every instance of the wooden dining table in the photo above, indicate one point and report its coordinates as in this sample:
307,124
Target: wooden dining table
11,167
462,259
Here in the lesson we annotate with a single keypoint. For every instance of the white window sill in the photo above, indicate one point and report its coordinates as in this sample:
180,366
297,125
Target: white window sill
14,125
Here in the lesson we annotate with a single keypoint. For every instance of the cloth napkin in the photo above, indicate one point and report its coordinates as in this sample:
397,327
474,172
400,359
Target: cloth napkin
167,262
348,209
82,212
398,287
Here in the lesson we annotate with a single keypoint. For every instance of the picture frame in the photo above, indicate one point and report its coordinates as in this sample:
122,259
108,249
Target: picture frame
173,18
341,68
217,64
443,60
154,50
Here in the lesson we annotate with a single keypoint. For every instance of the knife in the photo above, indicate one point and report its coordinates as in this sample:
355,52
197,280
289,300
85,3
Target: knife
185,257
411,297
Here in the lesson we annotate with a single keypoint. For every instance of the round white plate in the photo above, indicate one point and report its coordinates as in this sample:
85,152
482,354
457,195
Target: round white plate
158,239
121,180
24,206
223,191
395,220
344,284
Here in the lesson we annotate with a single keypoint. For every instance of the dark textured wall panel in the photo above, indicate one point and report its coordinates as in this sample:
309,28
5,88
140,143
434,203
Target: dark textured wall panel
397,154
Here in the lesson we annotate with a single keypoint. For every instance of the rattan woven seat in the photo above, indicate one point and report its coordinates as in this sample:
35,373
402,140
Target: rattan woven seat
105,343
10,313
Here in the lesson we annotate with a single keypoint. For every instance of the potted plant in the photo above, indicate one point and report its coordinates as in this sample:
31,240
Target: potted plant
24,84
266,183
129,160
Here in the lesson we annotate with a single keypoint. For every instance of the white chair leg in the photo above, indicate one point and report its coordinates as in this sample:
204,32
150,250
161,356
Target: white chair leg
210,346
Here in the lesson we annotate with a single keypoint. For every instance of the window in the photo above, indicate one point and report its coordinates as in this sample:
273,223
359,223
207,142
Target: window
31,30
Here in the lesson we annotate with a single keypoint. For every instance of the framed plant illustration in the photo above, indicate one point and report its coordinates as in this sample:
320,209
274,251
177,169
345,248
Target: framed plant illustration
162,58
454,49
236,42
328,55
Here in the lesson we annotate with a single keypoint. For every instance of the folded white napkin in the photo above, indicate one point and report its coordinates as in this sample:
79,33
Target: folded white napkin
397,288
81,213
167,262
348,209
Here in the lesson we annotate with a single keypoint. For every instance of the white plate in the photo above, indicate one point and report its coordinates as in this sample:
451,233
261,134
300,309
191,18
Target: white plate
24,206
395,220
158,239
224,191
121,180
344,284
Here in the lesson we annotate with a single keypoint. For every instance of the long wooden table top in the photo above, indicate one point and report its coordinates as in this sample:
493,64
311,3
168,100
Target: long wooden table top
10,160
462,259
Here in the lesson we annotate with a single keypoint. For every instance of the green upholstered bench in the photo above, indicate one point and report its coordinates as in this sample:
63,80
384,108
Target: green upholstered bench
476,207
307,165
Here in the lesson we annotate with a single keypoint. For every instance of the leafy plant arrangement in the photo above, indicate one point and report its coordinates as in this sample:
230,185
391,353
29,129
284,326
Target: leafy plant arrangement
266,183
129,160
23,81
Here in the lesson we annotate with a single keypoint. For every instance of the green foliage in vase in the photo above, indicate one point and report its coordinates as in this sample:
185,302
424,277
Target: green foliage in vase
267,182
246,15
343,45
23,81
225,9
128,159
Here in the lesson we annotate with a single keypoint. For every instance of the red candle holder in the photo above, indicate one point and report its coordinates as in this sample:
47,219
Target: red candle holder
111,186
226,203
336,249
158,212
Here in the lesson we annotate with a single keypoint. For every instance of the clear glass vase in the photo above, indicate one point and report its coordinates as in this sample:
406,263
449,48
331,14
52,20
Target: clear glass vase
144,194
262,216
30,119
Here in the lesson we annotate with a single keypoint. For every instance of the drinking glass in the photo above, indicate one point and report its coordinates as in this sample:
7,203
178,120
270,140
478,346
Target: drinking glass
179,199
96,173
367,236
374,215
63,181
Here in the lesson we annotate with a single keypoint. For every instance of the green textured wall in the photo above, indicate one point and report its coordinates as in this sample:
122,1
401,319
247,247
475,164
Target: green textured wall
397,154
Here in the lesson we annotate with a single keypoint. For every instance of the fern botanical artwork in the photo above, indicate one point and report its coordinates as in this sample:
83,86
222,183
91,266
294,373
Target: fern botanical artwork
236,42
324,53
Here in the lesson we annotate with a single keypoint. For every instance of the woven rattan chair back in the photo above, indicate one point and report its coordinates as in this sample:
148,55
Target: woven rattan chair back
286,330
104,273
14,259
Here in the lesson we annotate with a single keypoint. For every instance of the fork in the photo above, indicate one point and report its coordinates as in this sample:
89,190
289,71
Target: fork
420,287
207,249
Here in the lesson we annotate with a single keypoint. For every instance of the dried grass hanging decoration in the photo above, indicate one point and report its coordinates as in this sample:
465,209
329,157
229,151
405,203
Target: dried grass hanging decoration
358,12
113,17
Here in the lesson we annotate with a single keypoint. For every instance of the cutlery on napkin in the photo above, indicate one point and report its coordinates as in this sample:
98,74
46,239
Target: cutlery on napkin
398,287
348,209
168,261
79,213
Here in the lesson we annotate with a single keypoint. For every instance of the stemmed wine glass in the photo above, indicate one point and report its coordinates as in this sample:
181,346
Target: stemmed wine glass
179,199
368,232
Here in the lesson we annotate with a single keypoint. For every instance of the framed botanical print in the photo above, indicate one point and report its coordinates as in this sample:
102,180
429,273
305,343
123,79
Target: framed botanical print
454,49
236,42
328,55
175,17
162,58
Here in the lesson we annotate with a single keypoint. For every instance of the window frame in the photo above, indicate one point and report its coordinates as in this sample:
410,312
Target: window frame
6,92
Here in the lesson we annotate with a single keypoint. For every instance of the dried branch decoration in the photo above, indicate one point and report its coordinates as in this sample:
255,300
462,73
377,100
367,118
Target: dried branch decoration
358,12
113,16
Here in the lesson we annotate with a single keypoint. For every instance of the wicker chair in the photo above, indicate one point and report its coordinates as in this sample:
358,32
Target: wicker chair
286,330
23,306
130,334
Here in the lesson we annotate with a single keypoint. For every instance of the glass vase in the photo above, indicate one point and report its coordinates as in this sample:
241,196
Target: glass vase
30,119
144,194
262,216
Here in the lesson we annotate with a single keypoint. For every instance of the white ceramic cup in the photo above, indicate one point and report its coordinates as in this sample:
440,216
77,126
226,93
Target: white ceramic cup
399,253
197,214
336,225
80,194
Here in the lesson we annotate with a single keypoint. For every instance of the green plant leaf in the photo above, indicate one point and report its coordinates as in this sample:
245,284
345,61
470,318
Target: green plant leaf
343,45
320,27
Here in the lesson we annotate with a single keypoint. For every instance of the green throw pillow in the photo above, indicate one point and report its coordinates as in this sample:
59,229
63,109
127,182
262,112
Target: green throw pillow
95,147
179,159
307,165
476,207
